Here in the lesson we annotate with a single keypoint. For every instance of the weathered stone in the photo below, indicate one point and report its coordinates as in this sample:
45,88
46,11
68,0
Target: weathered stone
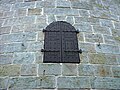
103,71
70,19
7,1
60,18
5,7
89,37
8,14
83,27
84,58
87,47
40,36
38,57
49,69
116,71
41,19
18,37
106,23
61,11
116,32
80,36
29,70
19,21
23,58
104,48
81,5
21,5
20,12
84,13
105,83
32,82
91,20
97,58
34,11
5,30
73,82
51,18
46,4
9,70
109,40
4,83
117,25
69,69
17,28
63,4
6,58
14,47
86,70
101,30
34,27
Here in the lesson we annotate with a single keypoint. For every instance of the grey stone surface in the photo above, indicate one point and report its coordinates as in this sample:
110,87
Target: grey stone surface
116,71
6,58
49,69
29,70
4,83
63,4
73,82
69,70
5,30
23,58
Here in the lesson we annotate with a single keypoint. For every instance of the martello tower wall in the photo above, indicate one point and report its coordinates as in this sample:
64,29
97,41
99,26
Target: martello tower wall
21,41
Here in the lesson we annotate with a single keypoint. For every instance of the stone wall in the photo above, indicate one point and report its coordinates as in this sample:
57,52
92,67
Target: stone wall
21,39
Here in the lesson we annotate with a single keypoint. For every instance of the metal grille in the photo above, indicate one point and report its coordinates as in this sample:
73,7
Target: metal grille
60,44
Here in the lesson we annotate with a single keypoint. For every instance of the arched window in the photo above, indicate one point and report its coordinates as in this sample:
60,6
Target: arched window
60,43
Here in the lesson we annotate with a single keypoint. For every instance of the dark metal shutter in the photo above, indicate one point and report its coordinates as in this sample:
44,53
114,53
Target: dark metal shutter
60,44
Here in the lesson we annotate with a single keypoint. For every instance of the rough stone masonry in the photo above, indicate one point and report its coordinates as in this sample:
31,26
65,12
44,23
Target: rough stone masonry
21,41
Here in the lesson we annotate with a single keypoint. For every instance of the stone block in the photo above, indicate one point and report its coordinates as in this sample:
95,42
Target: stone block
13,47
70,19
109,40
89,37
84,13
5,30
22,83
40,36
81,5
51,18
34,27
73,82
69,69
46,4
60,18
18,37
29,70
4,83
87,47
116,32
22,5
23,58
83,27
6,58
8,14
19,21
106,23
38,57
20,12
80,36
9,70
104,48
90,20
86,70
102,71
63,4
5,7
41,19
84,58
117,25
97,58
34,11
61,11
116,71
105,83
101,30
17,28
49,69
